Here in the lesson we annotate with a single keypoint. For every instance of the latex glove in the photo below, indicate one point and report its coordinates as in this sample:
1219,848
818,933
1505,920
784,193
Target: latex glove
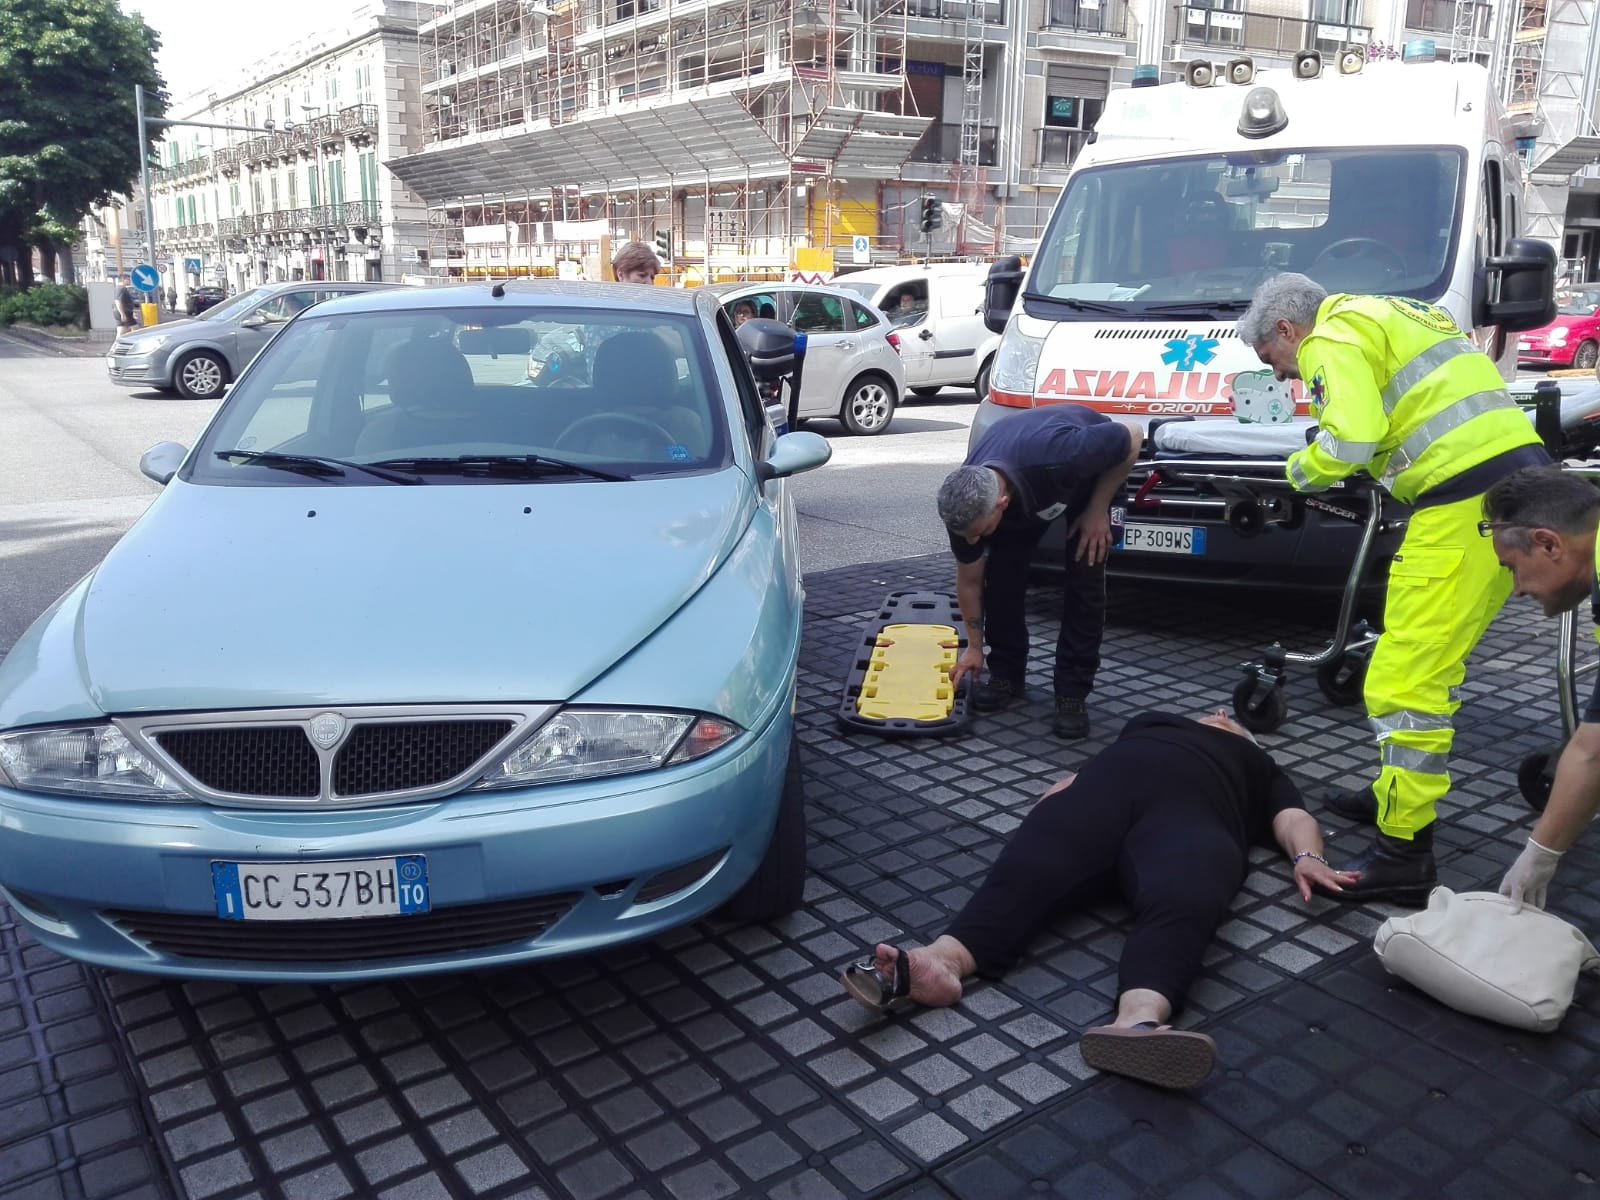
1528,880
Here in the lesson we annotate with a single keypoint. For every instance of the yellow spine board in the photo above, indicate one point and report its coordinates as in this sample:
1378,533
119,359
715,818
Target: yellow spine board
909,674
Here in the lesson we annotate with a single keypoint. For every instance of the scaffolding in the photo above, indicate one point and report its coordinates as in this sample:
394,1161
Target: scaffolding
730,132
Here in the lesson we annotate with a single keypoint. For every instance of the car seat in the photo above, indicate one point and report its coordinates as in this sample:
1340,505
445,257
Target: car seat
768,311
635,373
430,399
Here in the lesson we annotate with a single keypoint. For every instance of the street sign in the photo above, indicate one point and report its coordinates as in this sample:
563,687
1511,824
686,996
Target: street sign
860,249
145,278
192,265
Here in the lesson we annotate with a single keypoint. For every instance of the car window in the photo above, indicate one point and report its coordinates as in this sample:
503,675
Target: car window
750,403
637,396
862,317
763,304
288,304
818,312
238,306
908,303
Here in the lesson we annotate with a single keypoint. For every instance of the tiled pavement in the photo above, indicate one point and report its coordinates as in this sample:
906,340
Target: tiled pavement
725,1061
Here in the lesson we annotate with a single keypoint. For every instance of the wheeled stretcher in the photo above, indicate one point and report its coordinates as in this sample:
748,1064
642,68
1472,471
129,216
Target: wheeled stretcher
1238,469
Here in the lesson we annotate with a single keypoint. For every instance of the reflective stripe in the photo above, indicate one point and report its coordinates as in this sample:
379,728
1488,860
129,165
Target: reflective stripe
1419,368
1297,477
1409,758
1408,719
1358,453
1441,423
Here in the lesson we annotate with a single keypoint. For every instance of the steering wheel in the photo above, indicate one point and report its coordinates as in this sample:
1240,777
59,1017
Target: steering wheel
614,418
1351,250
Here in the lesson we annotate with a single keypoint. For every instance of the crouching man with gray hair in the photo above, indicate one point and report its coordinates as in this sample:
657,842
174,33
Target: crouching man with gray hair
1401,393
1024,471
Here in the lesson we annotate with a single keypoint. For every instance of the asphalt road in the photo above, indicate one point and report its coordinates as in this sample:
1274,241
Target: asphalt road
70,485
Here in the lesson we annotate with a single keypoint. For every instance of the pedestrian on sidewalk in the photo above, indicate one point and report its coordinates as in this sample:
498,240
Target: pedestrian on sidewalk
1165,817
1402,394
1025,470
126,304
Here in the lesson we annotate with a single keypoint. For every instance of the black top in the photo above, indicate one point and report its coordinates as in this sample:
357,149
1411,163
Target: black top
1051,457
1591,714
1233,777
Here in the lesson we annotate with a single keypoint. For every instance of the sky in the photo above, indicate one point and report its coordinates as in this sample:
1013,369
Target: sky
204,42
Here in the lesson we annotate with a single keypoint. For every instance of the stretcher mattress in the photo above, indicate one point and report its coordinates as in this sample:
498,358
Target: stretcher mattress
1232,437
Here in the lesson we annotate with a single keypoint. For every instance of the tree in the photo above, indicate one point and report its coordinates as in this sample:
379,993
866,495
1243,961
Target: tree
69,134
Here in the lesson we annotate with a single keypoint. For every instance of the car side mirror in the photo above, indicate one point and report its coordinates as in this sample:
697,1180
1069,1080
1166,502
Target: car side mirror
1527,286
1000,292
255,321
793,453
161,461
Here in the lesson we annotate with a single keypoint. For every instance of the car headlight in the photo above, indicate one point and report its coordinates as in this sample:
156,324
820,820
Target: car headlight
1016,364
590,743
1558,335
154,342
83,760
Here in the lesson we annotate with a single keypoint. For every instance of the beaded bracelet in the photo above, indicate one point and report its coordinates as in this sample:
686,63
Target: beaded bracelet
1295,861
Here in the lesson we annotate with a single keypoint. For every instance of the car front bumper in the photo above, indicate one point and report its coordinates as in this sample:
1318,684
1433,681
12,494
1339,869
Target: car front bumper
90,879
139,370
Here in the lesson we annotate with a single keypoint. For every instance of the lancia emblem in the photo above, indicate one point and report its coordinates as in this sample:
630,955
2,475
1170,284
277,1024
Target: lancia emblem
326,729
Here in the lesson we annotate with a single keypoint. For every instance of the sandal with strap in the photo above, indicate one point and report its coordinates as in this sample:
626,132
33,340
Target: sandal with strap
869,988
1166,1057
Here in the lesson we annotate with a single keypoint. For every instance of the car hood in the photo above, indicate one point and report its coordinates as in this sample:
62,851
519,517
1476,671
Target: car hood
245,597
165,329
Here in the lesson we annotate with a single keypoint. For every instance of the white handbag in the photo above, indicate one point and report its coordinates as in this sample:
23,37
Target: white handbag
1474,953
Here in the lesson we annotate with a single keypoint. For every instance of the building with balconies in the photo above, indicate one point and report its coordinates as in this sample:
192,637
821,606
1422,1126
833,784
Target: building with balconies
298,190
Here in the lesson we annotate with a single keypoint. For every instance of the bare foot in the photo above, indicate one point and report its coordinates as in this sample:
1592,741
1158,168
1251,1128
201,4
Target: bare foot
935,982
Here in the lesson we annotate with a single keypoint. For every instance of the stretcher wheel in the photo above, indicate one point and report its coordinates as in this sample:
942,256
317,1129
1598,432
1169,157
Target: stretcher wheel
1258,705
1341,679
1537,775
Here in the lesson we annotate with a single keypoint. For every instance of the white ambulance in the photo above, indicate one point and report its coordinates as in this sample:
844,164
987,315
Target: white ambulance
1388,177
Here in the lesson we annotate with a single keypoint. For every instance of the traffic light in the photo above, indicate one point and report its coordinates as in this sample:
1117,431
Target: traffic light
932,214
664,246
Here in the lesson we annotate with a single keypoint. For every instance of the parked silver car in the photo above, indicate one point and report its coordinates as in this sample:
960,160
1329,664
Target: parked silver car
852,364
199,357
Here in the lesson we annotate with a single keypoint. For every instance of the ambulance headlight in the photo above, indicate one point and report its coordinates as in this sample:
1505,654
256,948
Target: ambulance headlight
1262,114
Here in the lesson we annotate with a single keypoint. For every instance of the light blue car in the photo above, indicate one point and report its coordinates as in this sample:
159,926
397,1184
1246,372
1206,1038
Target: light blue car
415,667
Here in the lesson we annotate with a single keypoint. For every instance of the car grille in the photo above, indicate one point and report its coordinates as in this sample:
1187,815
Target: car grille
442,931
248,760
394,758
376,758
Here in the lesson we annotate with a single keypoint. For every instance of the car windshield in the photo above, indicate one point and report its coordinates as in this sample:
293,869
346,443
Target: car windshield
863,288
239,304
1153,238
1578,304
470,395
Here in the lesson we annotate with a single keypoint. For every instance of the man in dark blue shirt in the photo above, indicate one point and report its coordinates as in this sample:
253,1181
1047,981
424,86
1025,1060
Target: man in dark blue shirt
1024,471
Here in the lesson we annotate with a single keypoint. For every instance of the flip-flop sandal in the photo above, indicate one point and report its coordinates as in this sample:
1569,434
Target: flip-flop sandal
869,988
1169,1058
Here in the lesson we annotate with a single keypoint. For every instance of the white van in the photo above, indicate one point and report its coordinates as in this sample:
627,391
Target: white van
938,311
1393,178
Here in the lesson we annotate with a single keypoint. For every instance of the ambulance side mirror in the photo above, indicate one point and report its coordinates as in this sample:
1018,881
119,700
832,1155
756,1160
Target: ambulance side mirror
1000,292
1527,286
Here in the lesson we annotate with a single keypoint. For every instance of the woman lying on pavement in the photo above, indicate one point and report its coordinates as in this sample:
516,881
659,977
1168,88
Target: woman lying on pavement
1166,816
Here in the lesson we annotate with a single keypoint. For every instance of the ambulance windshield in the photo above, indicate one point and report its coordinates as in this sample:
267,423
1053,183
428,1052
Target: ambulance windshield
1159,238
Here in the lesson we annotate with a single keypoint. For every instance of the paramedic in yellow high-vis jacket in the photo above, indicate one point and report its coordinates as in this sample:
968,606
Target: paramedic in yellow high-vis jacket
1399,392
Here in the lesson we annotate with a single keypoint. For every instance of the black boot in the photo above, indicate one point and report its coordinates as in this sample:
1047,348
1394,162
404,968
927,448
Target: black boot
1393,869
1353,804
995,694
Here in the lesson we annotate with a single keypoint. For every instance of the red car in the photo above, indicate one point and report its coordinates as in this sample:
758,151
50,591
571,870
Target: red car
1572,339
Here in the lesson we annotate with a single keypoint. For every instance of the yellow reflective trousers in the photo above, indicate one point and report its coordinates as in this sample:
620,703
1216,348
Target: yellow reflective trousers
1445,586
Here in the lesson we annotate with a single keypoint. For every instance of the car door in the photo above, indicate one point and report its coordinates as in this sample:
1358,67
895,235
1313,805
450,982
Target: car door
956,326
261,324
831,350
906,306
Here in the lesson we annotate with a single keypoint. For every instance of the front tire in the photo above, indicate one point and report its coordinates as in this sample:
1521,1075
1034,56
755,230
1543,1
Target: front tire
778,886
980,385
1586,355
200,376
869,404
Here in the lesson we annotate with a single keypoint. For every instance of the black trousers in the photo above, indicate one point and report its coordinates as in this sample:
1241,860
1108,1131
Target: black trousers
1156,843
1083,612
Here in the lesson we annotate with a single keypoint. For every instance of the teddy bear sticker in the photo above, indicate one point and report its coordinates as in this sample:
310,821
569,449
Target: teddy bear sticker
1259,399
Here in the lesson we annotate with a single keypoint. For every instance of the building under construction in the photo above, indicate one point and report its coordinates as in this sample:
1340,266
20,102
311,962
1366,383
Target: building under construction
734,133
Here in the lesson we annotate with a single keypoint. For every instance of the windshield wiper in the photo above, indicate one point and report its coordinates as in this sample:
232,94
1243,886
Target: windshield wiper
1197,308
312,464
1094,306
523,466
